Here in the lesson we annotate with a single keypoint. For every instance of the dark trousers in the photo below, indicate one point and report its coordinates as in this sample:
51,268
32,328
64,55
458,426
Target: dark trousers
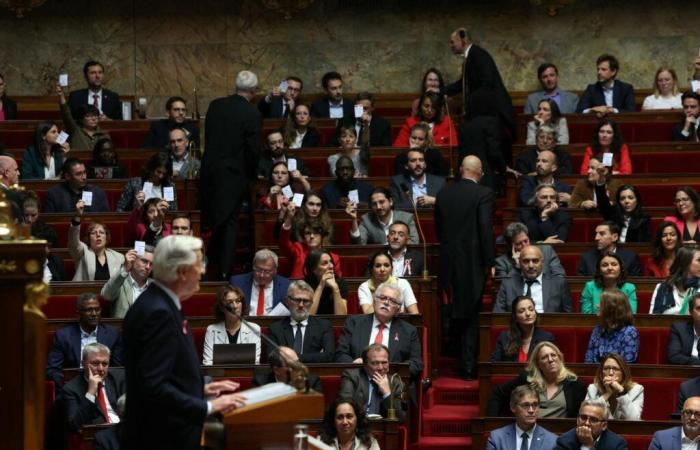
222,246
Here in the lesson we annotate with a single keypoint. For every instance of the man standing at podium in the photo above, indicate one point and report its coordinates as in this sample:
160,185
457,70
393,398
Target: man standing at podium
165,387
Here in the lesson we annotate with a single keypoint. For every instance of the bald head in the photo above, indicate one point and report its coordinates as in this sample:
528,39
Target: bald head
471,168
8,170
531,262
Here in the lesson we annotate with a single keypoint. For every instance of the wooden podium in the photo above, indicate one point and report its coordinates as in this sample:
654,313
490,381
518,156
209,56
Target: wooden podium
270,424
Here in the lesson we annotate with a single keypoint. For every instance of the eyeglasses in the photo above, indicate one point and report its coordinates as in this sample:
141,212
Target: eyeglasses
527,406
611,369
263,271
298,300
386,299
689,413
590,419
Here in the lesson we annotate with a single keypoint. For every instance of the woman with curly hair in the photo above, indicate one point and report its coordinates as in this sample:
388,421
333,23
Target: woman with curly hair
345,427
664,248
607,138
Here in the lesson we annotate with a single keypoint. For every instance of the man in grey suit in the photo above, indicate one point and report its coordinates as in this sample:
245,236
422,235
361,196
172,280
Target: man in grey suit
129,282
548,74
524,433
374,226
550,293
677,438
517,238
423,187
372,386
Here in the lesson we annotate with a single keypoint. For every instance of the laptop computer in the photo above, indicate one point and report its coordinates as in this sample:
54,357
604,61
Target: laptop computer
234,354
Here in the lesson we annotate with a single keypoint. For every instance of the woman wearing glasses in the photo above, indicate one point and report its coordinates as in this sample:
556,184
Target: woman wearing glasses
229,329
613,383
687,203
380,269
93,260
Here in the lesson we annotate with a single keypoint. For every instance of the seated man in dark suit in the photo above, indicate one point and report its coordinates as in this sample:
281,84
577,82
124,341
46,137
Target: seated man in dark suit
336,192
333,105
516,239
606,236
53,266
91,397
280,371
687,129
274,152
69,341
423,186
683,340
264,290
546,173
278,103
549,293
186,166
591,430
406,262
103,99
311,338
62,198
420,138
382,327
176,117
608,95
372,386
110,439
379,127
373,228
545,221
689,388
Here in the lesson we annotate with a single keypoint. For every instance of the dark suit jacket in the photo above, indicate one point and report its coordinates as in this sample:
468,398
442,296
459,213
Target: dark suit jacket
33,167
464,227
321,110
413,262
586,265
404,342
65,350
230,158
606,441
159,133
245,282
109,439
355,384
434,163
678,136
332,192
689,388
62,199
574,393
528,184
162,374
559,224
81,411
312,138
10,108
319,340
111,106
680,344
434,183
623,97
499,354
556,295
526,162
379,130
273,110
58,272
638,229
265,375
487,93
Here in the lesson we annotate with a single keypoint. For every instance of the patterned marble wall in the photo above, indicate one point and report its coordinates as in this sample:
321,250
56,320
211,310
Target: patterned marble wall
158,48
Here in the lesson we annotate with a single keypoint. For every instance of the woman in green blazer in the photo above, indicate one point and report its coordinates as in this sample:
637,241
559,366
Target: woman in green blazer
609,275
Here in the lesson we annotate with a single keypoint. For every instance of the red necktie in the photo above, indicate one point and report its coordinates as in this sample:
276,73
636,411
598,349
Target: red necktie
261,301
103,401
96,101
380,335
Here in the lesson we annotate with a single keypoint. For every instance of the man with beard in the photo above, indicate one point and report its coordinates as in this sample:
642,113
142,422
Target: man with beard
277,104
333,105
607,235
311,338
63,198
176,117
422,186
274,152
374,226
106,101
406,262
684,436
336,192
548,75
546,171
608,95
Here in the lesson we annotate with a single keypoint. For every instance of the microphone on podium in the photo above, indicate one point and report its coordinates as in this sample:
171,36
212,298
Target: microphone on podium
300,369
407,191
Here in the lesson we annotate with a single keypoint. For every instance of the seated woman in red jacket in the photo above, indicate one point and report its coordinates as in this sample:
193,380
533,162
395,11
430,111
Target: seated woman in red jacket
607,138
687,217
431,111
148,222
279,178
310,237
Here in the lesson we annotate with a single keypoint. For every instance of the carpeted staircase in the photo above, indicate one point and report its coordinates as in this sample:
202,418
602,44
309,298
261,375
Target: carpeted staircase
448,407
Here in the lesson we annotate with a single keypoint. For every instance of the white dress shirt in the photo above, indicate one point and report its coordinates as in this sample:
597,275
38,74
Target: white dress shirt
85,339
113,416
375,330
536,293
254,298
518,437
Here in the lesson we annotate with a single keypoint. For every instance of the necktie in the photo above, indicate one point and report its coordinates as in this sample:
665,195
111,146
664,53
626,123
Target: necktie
96,101
102,401
298,344
529,283
261,301
380,334
524,446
